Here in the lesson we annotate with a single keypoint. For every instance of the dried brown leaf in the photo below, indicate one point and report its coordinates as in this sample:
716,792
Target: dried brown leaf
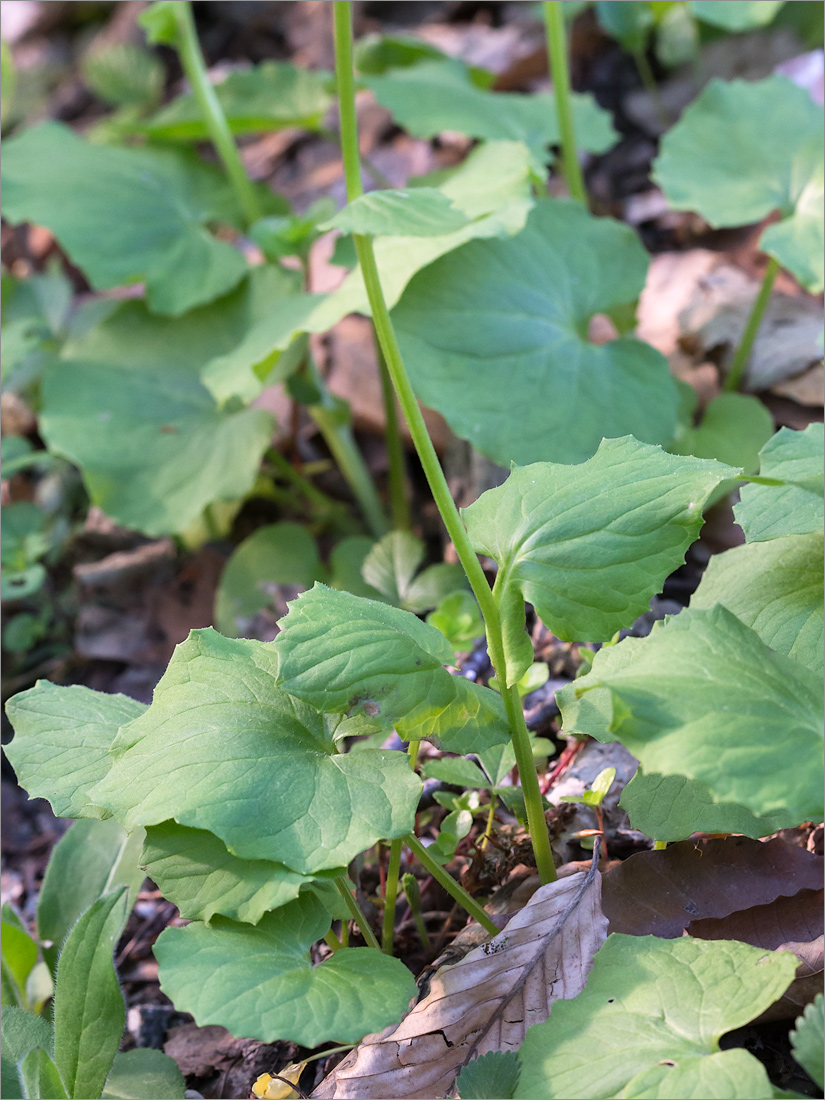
660,893
485,1002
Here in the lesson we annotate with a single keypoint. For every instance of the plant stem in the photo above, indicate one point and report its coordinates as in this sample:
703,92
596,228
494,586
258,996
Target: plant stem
458,893
390,898
659,845
357,915
557,54
338,437
332,941
399,503
426,451
651,87
743,352
194,66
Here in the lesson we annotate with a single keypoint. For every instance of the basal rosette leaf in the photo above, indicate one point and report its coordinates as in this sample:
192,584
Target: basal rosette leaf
704,699
736,15
196,871
62,737
807,1040
223,748
795,506
416,212
649,1021
774,587
744,149
259,982
144,1074
125,215
588,545
513,315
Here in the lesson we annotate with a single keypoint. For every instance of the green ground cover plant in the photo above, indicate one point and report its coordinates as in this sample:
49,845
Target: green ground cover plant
258,777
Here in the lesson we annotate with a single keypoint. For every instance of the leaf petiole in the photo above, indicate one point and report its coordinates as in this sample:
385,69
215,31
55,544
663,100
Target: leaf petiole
557,55
743,352
357,914
456,892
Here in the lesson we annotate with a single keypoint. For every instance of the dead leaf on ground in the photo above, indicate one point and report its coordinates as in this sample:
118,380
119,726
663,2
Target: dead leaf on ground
785,924
661,893
485,1002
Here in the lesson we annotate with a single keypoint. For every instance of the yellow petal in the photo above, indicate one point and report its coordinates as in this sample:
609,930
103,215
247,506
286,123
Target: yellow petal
271,1088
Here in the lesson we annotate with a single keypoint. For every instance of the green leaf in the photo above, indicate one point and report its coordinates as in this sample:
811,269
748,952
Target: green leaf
417,212
125,215
736,15
19,956
144,1074
196,872
122,73
494,1075
473,721
630,22
434,96
734,428
259,982
89,1013
775,588
89,860
513,315
742,150
794,507
8,79
28,1042
375,54
670,805
459,620
616,525
492,188
649,1020
61,742
807,1039
265,97
222,746
703,697
279,553
346,562
160,23
153,446
345,654
457,771
391,566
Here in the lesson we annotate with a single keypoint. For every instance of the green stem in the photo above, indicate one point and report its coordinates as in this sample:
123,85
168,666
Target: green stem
426,451
357,915
659,845
399,503
332,941
338,437
214,118
390,898
458,893
491,817
557,54
315,496
743,352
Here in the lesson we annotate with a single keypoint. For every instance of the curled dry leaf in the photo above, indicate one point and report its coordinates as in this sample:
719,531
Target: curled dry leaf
660,893
485,1002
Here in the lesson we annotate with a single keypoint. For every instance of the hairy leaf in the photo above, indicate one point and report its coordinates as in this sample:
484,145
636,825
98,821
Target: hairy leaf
649,1023
589,560
221,742
795,507
89,1012
125,215
259,982
703,697
744,149
513,314
28,1042
775,588
61,742
486,1001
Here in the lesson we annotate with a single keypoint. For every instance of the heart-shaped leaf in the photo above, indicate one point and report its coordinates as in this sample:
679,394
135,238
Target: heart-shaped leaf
391,567
556,533
513,315
775,588
61,742
125,215
702,697
259,982
795,507
742,150
222,747
736,15
650,1019
144,1074
197,873
434,96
